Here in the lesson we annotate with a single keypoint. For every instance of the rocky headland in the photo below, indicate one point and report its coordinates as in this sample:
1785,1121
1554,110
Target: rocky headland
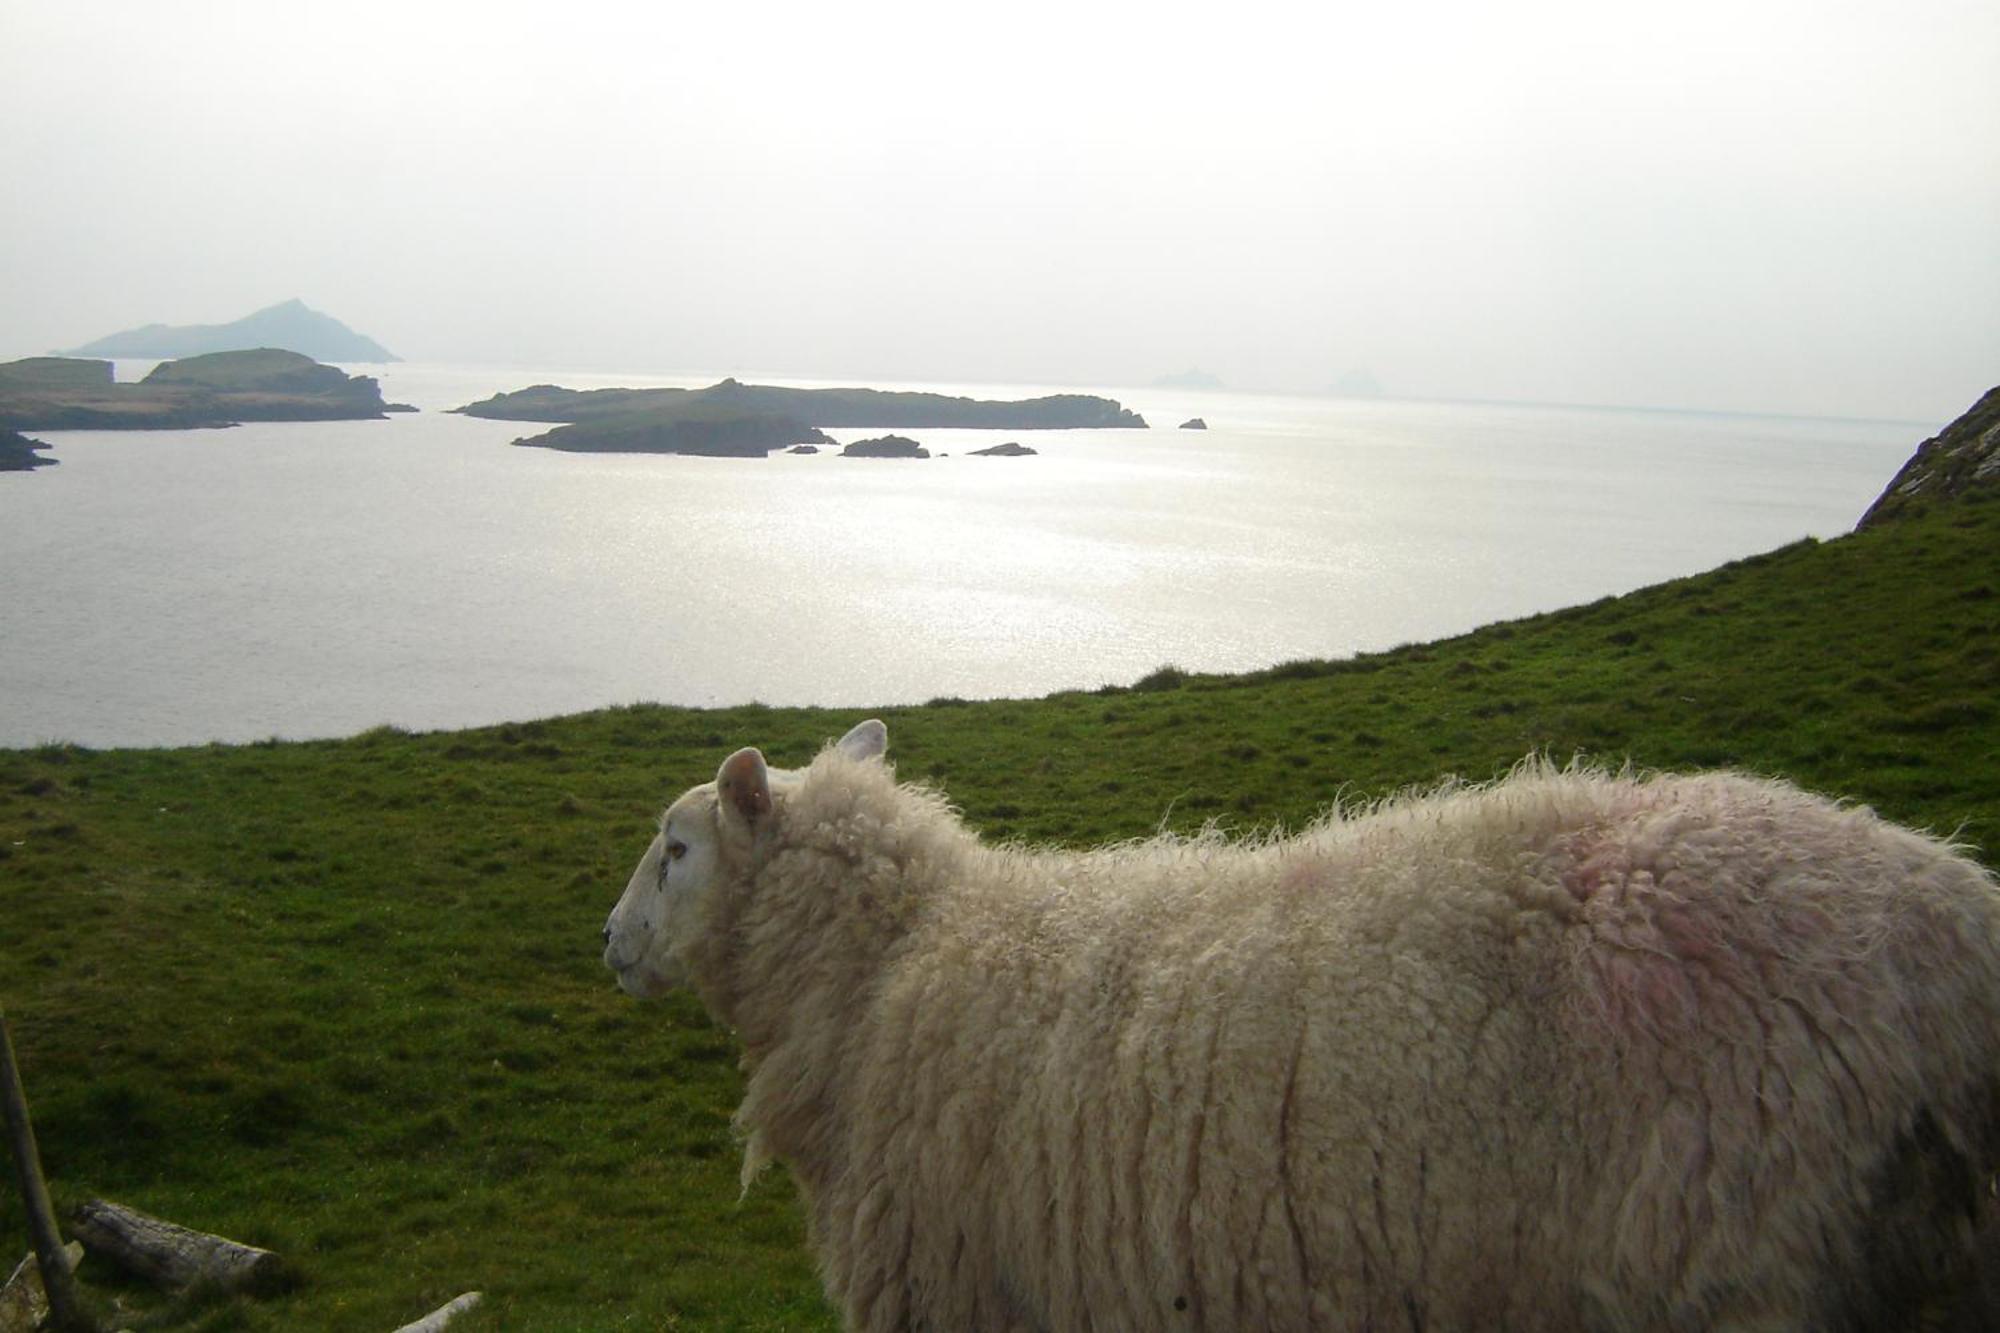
291,325
18,453
710,420
218,389
1964,454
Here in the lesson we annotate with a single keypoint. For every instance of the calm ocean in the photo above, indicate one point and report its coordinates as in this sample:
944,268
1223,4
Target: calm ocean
317,579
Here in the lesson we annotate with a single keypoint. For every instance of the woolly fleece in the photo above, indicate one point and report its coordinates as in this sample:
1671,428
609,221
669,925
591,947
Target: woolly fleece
1573,1050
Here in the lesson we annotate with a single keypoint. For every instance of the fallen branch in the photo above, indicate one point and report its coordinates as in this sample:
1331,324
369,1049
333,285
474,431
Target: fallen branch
174,1256
443,1315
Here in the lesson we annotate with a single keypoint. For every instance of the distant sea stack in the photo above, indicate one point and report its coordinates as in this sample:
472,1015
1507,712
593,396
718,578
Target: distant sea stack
219,389
1962,455
1194,423
291,326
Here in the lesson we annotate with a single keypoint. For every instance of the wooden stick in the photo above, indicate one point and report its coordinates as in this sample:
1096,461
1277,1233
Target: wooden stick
65,1305
23,1303
173,1256
443,1315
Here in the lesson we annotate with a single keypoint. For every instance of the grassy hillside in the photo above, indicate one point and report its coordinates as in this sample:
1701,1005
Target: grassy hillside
342,999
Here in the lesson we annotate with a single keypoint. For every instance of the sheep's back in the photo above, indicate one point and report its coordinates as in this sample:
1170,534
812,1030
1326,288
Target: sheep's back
1571,1051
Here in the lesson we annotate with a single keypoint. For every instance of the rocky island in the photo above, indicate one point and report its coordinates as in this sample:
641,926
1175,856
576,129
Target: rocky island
886,446
752,419
1011,449
18,453
291,325
219,389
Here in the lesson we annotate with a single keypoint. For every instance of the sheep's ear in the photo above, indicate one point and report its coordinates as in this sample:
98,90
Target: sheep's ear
744,784
868,740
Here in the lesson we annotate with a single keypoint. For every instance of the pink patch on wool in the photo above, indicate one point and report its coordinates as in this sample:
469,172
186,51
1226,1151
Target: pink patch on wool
1303,878
1641,991
1649,955
1594,870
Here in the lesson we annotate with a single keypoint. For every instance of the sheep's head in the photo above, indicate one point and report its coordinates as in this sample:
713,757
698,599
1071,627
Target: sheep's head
711,831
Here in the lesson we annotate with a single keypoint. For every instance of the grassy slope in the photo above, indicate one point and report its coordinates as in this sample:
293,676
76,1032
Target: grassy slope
342,998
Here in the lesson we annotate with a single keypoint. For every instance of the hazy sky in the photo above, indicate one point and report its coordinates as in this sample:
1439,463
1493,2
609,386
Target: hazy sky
1790,205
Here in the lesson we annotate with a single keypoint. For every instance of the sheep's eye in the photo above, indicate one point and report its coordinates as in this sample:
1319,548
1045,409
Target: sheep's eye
676,850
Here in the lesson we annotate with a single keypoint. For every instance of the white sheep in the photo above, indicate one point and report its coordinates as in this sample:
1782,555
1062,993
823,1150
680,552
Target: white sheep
1569,1051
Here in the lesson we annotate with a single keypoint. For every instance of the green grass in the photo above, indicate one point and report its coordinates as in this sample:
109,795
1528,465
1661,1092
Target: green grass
342,999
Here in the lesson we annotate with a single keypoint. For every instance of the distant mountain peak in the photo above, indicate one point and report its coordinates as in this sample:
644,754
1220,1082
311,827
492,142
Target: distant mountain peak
290,325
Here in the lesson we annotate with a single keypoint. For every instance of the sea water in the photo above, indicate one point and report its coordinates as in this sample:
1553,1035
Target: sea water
317,579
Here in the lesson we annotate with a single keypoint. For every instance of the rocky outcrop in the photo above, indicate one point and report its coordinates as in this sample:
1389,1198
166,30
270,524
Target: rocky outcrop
220,389
886,446
1194,423
290,325
1011,449
1963,455
18,453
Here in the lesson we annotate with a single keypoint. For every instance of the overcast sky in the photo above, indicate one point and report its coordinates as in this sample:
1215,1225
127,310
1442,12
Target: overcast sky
1768,205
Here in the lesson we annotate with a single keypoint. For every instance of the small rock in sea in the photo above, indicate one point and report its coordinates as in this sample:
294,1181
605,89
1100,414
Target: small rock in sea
1194,423
803,449
1011,449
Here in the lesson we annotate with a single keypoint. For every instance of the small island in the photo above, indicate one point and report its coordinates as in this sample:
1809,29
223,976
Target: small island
886,446
18,453
1194,423
746,419
219,389
1011,449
